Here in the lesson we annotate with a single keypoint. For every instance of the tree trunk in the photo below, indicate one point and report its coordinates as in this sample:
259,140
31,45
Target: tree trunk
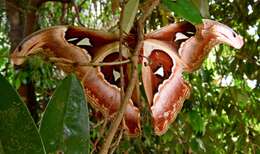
22,22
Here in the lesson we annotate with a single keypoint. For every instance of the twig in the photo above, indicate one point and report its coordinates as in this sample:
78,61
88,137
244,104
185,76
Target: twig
15,7
63,13
134,76
116,143
77,13
101,133
121,39
80,5
99,123
122,77
73,63
67,61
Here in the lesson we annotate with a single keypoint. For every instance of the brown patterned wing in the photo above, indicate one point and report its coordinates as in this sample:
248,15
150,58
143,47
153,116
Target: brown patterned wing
78,45
162,78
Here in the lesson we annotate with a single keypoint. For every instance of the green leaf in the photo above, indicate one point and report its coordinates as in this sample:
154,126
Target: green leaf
194,145
129,13
65,123
18,132
197,145
196,122
185,9
167,137
203,6
179,149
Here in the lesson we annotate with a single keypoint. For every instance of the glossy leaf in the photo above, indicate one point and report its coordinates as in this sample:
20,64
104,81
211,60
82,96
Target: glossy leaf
185,9
18,132
129,13
65,124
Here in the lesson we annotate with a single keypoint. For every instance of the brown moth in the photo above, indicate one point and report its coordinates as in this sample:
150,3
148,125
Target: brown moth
167,53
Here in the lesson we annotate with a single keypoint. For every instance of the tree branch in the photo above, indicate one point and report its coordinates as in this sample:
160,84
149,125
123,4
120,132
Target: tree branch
121,40
77,13
132,83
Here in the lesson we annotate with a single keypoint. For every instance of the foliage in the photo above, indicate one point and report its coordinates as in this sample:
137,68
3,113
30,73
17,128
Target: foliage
222,114
129,14
185,9
67,116
64,126
17,130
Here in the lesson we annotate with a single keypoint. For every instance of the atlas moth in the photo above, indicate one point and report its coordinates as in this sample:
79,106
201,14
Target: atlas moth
166,54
